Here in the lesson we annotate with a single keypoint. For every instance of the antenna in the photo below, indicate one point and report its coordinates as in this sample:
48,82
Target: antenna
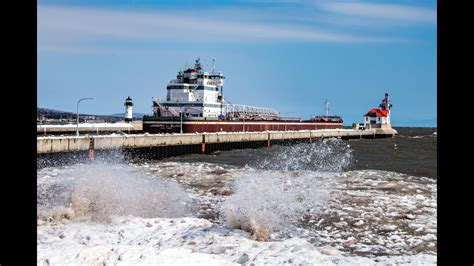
198,65
326,107
213,65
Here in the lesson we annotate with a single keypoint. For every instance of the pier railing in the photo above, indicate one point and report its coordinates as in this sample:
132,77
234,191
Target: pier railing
240,110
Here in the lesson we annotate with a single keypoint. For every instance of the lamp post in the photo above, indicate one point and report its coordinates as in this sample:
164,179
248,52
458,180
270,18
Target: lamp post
77,114
181,125
180,116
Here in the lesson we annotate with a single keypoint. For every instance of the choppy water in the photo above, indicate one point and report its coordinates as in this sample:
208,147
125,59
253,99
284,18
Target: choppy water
413,151
363,197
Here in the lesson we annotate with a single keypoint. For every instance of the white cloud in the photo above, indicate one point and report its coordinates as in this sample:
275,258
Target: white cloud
401,13
68,27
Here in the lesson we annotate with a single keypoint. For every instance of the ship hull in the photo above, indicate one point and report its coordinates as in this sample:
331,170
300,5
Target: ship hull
200,126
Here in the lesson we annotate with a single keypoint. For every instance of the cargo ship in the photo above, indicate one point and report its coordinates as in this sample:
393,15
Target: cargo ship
195,103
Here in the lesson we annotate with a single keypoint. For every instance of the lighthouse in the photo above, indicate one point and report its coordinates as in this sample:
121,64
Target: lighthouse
379,118
128,109
386,105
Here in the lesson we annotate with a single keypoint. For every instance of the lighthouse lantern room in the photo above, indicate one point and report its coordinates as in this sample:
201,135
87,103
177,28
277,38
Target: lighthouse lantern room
128,109
379,117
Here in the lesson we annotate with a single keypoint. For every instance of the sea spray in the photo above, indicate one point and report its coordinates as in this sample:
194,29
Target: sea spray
284,187
101,190
328,155
266,201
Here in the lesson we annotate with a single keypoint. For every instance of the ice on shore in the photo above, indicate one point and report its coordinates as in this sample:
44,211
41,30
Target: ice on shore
171,212
184,241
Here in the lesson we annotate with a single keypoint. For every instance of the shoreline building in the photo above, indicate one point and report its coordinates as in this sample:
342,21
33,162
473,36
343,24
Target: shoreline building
379,118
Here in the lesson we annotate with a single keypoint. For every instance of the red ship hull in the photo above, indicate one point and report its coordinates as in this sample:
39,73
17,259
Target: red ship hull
162,126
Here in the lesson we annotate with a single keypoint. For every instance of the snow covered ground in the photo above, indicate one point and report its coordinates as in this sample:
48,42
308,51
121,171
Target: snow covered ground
304,211
87,125
184,241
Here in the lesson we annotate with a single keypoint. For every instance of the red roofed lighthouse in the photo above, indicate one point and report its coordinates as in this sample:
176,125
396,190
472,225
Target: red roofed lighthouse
379,118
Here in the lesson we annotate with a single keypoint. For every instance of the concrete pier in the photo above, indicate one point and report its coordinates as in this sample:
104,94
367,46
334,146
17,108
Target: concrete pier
198,142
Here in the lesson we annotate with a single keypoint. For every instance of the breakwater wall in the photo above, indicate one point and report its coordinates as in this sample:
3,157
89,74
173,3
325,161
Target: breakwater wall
198,142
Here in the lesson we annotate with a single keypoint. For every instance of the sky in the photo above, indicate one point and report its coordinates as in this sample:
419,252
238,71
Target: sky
289,55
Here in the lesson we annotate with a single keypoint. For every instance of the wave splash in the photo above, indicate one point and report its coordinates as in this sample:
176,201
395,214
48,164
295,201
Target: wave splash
328,155
99,191
285,187
266,201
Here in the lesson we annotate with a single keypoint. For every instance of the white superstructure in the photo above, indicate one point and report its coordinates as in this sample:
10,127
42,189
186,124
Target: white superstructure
194,93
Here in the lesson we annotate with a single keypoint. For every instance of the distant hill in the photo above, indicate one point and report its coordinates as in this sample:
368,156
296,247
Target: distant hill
54,114
40,110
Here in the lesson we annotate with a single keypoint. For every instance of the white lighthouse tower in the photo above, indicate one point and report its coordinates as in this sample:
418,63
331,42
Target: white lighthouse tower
128,109
386,105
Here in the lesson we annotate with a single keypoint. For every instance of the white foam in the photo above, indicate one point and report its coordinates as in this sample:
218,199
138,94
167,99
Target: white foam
100,190
264,201
184,241
391,206
329,155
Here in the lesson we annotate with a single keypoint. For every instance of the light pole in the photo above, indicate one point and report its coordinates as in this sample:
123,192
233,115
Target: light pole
180,117
181,125
77,114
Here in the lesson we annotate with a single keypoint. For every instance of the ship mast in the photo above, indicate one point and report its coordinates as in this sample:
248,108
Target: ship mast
221,87
326,107
222,100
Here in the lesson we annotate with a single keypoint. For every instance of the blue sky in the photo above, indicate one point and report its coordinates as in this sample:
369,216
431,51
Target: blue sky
289,55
